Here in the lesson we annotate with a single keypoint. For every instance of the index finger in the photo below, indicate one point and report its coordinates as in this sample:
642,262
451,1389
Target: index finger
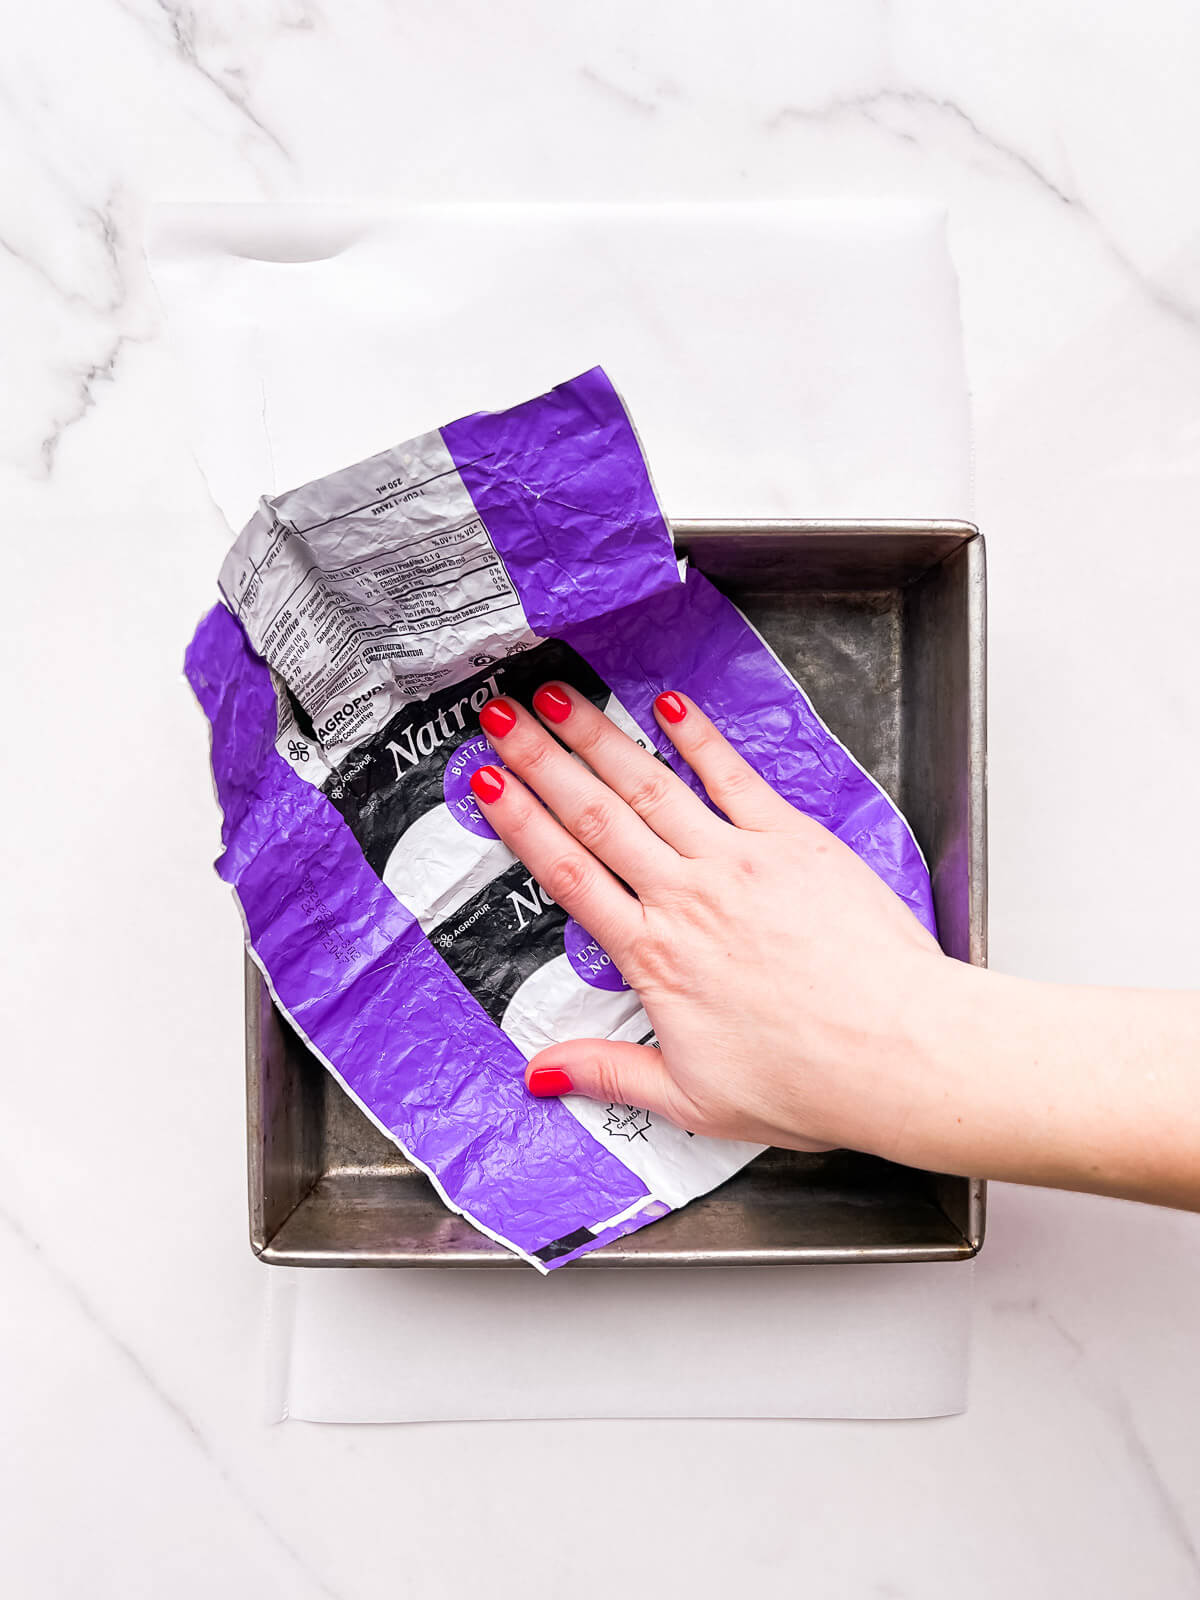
567,873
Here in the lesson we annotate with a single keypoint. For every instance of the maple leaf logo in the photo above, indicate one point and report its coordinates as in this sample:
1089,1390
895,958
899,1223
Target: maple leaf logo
626,1122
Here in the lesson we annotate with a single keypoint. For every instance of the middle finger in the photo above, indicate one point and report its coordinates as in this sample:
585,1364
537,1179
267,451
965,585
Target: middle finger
587,808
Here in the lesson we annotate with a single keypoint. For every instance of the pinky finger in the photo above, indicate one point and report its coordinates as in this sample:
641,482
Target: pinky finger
731,783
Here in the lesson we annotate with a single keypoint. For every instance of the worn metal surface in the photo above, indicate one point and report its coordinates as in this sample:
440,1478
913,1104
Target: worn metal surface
884,625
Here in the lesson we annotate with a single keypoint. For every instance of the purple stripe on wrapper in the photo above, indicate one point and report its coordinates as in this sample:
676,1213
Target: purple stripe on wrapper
693,638
363,984
564,492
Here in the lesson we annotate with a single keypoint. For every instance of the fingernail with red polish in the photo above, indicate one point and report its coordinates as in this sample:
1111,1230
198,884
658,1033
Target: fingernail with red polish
498,718
546,1081
670,707
552,703
487,784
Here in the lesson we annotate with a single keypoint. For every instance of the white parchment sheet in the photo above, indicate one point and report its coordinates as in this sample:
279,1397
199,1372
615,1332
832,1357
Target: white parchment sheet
308,338
377,1345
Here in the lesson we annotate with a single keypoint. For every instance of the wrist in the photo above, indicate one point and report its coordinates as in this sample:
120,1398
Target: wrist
1062,1087
939,1089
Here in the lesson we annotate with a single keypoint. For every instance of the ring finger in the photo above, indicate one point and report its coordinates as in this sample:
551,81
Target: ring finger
648,786
600,820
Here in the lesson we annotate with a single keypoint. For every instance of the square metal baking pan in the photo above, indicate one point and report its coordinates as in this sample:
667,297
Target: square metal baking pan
884,626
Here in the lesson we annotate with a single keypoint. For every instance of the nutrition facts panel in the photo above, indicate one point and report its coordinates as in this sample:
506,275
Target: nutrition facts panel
373,587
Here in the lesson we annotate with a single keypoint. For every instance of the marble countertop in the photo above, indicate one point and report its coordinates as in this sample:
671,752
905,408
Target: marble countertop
1062,140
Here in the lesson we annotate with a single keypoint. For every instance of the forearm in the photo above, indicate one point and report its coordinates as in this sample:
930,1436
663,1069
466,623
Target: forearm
1075,1088
797,1001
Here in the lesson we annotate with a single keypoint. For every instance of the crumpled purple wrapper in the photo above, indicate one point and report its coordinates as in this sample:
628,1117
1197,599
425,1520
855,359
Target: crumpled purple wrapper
402,998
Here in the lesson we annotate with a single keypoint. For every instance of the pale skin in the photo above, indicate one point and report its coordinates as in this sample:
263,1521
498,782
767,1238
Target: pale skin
798,1002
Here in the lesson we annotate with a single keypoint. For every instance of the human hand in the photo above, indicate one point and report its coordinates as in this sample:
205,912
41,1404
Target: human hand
788,986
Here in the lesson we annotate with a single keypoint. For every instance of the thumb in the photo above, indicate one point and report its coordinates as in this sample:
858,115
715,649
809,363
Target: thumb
603,1069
